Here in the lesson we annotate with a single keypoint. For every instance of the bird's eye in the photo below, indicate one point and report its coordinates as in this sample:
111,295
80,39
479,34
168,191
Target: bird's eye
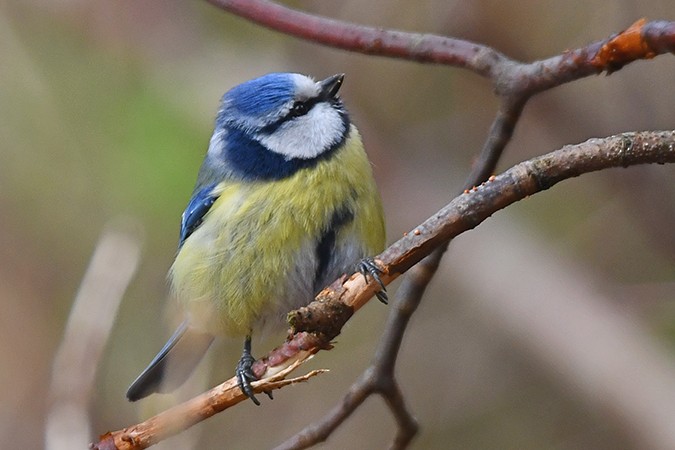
299,109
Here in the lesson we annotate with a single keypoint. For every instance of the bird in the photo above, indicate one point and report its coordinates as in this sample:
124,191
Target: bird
285,202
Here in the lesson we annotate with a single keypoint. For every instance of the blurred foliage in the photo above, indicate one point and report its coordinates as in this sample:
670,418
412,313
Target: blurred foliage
106,110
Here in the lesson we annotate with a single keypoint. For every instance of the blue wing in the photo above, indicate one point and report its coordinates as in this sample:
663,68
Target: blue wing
199,205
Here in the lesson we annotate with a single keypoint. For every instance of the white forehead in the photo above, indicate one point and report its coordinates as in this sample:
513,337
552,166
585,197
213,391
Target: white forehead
305,87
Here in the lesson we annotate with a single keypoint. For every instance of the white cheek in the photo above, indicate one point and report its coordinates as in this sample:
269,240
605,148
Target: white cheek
307,136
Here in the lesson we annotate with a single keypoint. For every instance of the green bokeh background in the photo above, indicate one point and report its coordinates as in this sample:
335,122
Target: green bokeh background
106,109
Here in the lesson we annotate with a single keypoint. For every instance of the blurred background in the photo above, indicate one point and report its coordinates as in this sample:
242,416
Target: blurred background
526,336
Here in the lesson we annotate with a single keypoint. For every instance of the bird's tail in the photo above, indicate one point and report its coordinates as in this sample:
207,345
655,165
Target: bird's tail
173,364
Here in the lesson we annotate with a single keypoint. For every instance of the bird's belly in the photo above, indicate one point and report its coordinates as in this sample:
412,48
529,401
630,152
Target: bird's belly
229,293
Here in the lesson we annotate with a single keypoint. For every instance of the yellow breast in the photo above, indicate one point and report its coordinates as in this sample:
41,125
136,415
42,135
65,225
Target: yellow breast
253,257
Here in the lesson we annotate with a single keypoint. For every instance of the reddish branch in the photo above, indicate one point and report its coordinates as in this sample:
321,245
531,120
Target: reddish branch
423,48
642,40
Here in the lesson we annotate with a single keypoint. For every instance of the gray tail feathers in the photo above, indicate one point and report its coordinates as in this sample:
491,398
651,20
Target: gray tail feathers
173,364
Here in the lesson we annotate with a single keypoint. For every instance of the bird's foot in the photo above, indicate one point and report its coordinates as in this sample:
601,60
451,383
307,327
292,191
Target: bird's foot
368,267
245,375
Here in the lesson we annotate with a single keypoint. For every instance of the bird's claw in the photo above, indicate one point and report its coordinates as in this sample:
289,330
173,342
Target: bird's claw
245,375
368,267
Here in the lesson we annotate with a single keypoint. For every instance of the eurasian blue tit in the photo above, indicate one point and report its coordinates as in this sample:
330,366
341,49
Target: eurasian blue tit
285,202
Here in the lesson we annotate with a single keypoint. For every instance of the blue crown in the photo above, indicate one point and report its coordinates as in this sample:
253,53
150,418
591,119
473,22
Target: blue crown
261,95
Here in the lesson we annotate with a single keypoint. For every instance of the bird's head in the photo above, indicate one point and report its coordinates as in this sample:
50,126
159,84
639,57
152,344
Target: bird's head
288,114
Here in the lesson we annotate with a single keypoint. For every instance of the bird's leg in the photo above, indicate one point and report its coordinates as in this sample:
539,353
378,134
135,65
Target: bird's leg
244,372
368,267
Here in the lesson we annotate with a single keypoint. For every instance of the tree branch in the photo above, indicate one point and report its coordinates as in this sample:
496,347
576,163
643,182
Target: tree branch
463,213
422,48
642,40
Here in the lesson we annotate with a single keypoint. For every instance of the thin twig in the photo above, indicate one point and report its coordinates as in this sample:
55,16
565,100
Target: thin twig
500,134
182,416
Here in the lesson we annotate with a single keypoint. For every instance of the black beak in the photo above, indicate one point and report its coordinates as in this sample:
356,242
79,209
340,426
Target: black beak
331,85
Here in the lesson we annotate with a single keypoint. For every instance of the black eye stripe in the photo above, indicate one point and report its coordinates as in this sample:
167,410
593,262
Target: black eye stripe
301,107
307,106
